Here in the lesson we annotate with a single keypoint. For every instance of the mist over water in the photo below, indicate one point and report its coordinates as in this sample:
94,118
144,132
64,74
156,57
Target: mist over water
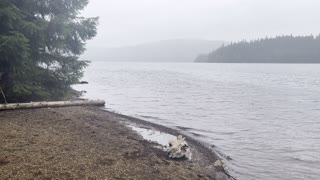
265,117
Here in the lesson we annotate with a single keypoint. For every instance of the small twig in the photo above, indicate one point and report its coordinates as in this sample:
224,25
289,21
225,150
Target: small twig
4,97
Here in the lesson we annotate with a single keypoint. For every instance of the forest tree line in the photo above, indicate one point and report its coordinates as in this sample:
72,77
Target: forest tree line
281,49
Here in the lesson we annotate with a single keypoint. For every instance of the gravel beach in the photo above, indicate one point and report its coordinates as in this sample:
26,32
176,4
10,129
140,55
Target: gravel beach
90,143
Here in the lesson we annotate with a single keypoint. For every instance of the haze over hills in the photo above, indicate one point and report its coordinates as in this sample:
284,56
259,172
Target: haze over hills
178,50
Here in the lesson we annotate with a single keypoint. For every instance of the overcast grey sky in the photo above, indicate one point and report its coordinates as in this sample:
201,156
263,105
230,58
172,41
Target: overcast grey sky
129,22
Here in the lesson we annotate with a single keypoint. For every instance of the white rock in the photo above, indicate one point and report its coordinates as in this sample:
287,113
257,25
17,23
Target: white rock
178,148
218,163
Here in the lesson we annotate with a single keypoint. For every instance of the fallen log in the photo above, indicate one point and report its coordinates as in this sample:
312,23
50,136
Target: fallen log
32,105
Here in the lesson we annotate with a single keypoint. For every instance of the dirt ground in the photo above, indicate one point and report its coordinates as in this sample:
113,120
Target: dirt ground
83,143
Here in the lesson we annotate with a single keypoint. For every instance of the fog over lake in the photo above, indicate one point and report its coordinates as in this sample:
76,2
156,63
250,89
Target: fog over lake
263,117
127,22
239,79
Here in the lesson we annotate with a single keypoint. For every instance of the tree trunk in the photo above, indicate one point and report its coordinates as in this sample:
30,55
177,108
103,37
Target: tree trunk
4,97
51,104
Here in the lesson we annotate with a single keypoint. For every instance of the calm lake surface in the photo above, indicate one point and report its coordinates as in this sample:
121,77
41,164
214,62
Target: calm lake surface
266,117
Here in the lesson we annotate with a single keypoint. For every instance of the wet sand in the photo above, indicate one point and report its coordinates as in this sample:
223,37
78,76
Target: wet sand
90,143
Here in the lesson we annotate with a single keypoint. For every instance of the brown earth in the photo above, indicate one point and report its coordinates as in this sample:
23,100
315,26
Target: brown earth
84,143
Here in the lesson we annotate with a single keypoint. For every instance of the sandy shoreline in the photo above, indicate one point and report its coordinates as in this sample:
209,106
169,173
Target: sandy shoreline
90,143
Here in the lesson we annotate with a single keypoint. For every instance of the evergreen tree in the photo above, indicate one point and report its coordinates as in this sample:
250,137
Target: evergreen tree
40,43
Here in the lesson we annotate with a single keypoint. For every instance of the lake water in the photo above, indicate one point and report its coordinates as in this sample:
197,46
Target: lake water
265,117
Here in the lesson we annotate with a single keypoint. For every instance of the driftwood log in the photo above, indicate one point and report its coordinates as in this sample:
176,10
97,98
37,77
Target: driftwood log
51,104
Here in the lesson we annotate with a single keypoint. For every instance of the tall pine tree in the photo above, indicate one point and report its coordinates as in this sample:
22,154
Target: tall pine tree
40,43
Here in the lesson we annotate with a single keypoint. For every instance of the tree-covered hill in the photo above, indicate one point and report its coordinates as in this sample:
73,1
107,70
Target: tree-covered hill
40,43
281,49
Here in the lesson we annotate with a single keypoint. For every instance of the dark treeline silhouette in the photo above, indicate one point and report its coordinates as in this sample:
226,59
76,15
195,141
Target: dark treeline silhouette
281,49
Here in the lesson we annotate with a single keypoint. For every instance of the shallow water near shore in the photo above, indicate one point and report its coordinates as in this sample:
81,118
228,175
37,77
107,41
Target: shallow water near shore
265,117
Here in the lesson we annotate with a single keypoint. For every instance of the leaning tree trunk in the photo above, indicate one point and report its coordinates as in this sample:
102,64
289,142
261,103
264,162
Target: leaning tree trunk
51,104
4,97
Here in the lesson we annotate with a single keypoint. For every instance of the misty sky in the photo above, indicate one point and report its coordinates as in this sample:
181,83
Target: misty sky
130,22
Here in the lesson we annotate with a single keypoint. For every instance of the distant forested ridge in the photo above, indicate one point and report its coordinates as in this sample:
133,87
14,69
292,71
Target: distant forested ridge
174,50
281,49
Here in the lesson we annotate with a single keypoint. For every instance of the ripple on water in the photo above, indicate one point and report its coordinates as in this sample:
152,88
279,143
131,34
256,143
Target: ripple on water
264,116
